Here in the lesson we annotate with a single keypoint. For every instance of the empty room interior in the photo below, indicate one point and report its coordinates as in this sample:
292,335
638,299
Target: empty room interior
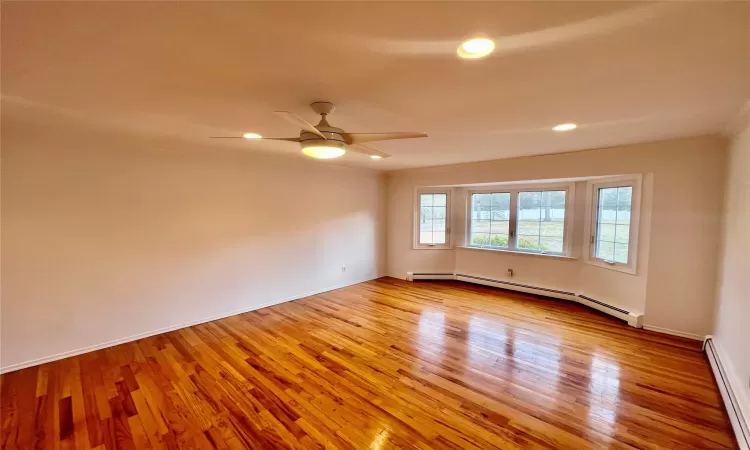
375,225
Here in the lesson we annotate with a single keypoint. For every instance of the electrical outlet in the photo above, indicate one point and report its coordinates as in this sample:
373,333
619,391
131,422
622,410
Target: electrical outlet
343,268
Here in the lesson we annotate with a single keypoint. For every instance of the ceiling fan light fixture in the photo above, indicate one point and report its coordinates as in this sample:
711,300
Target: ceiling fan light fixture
252,136
475,48
320,149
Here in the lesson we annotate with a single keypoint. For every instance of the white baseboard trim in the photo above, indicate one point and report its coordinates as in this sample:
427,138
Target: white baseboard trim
135,337
696,337
738,409
633,319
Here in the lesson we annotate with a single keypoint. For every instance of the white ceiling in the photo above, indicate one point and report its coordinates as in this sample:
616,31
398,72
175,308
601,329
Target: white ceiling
625,72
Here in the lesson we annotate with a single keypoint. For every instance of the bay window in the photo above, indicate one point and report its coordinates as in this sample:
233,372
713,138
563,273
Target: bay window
531,219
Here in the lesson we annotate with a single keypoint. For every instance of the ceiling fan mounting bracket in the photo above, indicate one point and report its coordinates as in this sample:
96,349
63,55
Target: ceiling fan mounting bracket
322,107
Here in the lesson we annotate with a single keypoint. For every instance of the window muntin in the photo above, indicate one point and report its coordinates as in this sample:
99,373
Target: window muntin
433,214
612,223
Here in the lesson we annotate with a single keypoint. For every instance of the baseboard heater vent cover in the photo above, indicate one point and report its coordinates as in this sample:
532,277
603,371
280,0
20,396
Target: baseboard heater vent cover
460,276
731,404
633,319
411,276
603,304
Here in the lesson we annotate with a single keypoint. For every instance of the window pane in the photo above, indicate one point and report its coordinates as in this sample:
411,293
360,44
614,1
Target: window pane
480,239
481,200
480,226
500,215
438,231
623,214
623,234
551,244
608,198
501,200
621,253
552,229
529,205
607,215
541,221
607,232
613,223
528,242
490,216
624,195
605,250
500,227
499,240
432,218
528,227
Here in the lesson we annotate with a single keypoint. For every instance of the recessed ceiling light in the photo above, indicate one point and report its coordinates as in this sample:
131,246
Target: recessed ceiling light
565,127
475,48
251,136
376,157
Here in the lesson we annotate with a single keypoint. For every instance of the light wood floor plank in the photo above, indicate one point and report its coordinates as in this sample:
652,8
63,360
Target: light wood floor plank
382,364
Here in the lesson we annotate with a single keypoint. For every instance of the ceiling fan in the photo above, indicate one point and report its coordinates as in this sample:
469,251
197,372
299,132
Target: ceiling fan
325,141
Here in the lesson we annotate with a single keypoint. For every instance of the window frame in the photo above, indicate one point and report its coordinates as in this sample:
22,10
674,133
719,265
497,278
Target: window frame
514,189
592,208
417,245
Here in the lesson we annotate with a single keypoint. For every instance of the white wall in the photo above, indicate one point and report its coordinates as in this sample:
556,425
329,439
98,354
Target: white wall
678,239
107,236
732,333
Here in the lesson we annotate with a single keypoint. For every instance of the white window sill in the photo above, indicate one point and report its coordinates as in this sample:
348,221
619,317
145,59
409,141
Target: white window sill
433,247
515,252
616,267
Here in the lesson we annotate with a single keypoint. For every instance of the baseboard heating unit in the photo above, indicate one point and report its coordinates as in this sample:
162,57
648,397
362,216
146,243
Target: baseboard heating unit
731,403
411,276
633,319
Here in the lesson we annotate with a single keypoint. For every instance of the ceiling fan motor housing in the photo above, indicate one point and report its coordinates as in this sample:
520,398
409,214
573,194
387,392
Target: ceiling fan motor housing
332,134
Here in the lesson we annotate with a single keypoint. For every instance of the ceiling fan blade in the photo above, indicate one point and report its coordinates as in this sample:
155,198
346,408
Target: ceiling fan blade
358,138
300,122
256,139
359,148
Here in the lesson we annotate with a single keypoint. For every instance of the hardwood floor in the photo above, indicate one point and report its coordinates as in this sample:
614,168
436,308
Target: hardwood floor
383,364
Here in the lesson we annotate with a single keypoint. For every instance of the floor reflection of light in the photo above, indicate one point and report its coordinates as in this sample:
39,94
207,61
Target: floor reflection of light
431,337
485,341
538,362
604,393
380,440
